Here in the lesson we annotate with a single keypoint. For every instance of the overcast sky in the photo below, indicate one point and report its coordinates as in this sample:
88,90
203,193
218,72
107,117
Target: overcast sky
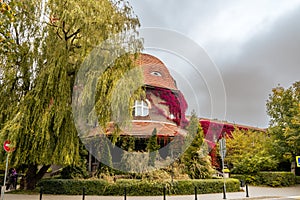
254,44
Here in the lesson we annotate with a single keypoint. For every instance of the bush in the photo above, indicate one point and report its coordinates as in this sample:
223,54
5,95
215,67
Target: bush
274,179
73,172
252,179
277,179
297,179
136,187
1,179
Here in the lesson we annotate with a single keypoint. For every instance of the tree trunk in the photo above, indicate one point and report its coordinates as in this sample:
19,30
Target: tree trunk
293,167
33,175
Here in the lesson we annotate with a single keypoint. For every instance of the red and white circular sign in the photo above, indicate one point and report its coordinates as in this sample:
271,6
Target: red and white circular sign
8,147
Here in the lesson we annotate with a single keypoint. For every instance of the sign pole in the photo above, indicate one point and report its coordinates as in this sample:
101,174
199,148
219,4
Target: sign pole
8,148
223,154
5,175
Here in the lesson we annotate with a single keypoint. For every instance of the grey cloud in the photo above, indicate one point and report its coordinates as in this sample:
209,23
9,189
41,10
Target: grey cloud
266,60
251,69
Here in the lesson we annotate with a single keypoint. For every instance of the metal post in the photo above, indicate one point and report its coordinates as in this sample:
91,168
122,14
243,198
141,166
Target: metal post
247,192
164,192
224,192
5,176
195,193
224,185
83,193
41,193
125,194
223,152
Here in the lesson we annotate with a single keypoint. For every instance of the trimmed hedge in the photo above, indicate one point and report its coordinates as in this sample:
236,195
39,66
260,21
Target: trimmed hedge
274,179
136,187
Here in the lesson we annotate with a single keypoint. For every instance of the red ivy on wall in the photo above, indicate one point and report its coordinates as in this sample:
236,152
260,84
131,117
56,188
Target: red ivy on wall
174,100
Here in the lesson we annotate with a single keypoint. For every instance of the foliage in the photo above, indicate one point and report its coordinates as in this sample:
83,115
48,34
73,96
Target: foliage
248,152
283,107
274,179
45,45
127,143
152,148
175,102
106,158
1,179
73,172
136,187
78,170
195,158
135,162
277,179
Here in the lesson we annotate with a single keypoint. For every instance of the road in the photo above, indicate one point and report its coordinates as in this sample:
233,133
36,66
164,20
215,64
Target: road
261,193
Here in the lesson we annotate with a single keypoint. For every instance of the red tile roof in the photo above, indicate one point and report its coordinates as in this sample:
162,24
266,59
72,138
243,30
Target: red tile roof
151,65
144,128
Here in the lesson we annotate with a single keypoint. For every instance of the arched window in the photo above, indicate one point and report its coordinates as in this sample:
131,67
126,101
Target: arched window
140,108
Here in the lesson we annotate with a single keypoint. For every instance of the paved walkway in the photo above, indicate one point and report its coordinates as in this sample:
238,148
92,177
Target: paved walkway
266,193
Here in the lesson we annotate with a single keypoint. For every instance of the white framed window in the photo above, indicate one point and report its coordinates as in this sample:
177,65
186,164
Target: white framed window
171,116
140,108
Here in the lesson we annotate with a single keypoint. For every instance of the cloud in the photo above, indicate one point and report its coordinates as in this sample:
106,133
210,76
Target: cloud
255,44
264,61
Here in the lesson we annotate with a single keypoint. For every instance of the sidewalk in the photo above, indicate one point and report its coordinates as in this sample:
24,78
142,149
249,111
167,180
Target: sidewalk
286,193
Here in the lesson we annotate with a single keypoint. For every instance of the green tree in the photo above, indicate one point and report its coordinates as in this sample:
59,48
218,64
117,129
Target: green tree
283,107
152,148
106,158
249,152
45,45
195,158
79,169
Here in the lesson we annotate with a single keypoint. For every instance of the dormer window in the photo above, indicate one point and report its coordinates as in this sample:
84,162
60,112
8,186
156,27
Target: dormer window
155,73
140,108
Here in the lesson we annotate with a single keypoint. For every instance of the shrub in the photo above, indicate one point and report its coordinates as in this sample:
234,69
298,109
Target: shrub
136,187
1,179
251,179
274,179
73,172
277,179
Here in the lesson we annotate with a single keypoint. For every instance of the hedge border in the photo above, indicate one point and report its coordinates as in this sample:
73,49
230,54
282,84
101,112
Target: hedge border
273,179
136,187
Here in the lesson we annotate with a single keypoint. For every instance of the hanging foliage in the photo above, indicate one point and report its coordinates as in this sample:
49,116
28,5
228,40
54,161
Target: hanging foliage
45,46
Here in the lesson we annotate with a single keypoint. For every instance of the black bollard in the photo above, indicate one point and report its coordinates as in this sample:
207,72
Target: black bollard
41,193
195,193
247,192
83,193
164,192
224,193
125,194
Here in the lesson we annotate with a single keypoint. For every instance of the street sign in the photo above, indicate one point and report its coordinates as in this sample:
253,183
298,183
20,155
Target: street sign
298,161
7,146
222,148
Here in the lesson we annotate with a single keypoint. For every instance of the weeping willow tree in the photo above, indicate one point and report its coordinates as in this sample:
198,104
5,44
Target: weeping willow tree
43,44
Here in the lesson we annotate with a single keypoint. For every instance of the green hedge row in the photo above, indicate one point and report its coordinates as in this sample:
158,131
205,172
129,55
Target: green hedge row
136,187
274,179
